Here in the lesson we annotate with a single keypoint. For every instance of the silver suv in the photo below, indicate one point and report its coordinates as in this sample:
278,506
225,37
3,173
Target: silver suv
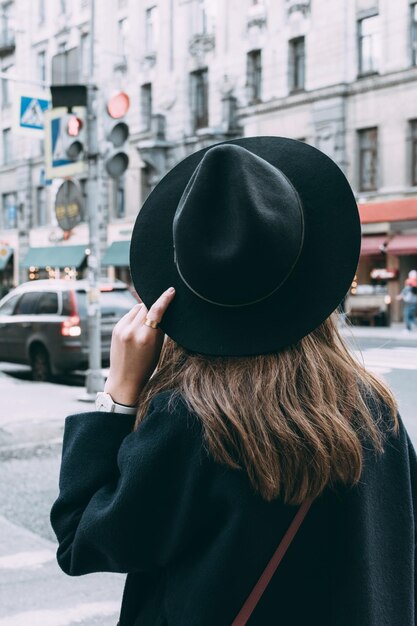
44,324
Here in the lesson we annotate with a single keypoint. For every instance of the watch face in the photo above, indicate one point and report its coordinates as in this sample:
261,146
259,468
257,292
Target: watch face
103,402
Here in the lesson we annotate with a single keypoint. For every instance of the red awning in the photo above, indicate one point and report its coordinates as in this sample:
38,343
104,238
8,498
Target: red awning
401,209
402,244
373,245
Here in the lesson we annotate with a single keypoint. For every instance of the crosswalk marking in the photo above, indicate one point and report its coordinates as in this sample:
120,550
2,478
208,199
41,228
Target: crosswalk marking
384,360
62,616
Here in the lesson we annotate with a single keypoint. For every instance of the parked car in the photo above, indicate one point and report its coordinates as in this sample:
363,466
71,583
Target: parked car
369,304
44,324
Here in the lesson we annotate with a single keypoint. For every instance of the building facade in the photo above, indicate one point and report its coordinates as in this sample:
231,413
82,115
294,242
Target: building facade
341,76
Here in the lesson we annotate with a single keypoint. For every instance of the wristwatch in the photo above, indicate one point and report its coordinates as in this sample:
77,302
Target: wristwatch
104,402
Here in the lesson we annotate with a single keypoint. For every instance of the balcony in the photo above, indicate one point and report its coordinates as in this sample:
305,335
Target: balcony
298,6
201,43
7,42
148,60
256,17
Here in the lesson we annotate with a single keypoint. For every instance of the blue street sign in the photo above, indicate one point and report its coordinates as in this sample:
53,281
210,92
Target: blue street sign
58,158
32,112
57,164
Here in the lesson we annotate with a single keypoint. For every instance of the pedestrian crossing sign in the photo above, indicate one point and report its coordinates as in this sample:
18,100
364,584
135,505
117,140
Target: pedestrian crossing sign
29,112
57,164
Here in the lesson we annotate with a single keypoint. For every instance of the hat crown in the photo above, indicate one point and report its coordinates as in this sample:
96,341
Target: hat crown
238,229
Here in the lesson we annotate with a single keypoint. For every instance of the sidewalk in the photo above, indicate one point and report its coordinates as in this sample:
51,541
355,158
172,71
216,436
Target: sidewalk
34,591
32,415
396,332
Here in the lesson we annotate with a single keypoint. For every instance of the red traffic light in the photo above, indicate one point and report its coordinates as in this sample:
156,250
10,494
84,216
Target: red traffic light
74,126
118,105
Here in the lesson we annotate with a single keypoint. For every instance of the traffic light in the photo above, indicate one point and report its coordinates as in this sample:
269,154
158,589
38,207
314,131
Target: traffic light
74,134
117,134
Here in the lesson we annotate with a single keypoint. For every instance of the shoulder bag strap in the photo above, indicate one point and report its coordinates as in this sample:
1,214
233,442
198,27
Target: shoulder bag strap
256,593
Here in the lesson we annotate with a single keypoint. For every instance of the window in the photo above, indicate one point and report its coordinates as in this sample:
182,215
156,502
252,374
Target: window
199,99
41,58
146,106
151,38
368,159
66,66
5,15
146,181
122,36
413,128
41,218
7,146
85,54
254,76
27,303
8,307
297,64
47,303
368,45
413,8
9,210
5,89
41,11
200,18
120,198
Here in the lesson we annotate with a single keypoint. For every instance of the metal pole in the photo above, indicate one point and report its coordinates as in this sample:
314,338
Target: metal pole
17,79
94,378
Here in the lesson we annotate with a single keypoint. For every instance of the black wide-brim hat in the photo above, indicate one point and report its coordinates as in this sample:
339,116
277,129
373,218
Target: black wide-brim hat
260,237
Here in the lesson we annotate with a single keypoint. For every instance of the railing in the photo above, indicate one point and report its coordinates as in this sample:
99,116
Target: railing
298,6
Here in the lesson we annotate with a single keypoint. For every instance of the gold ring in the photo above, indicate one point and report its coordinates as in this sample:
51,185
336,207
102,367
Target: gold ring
151,323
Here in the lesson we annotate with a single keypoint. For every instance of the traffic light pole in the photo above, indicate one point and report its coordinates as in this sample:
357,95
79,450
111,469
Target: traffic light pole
94,378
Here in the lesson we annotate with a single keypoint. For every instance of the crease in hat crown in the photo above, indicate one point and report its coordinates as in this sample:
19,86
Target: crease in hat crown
238,230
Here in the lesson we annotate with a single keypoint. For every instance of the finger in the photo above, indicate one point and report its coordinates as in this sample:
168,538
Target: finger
157,310
128,317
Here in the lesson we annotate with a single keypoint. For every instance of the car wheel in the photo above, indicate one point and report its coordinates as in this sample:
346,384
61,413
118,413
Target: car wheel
40,364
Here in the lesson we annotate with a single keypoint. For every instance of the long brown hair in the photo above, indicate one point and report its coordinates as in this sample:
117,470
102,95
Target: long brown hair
295,421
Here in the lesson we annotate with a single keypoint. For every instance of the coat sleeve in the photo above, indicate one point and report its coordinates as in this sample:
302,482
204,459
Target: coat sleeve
129,501
413,480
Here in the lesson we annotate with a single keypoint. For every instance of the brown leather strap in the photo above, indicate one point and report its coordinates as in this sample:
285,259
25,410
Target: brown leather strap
256,593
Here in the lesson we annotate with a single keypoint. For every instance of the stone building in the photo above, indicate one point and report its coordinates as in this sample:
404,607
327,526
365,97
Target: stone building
339,75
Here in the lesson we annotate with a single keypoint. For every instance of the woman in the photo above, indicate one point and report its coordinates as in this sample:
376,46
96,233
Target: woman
409,297
188,480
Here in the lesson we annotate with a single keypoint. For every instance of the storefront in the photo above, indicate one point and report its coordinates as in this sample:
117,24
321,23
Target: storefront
56,262
116,258
389,248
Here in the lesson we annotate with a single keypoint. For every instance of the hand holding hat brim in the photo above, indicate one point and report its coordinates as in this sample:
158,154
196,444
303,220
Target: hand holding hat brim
135,349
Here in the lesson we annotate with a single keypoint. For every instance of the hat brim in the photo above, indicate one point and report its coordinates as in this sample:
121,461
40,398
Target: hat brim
316,286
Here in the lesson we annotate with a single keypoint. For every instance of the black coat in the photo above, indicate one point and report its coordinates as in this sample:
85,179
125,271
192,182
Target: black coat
194,538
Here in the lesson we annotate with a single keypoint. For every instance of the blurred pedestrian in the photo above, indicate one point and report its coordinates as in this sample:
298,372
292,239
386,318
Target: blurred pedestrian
409,297
258,435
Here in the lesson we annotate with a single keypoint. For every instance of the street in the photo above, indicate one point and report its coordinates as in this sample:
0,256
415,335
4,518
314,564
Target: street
33,590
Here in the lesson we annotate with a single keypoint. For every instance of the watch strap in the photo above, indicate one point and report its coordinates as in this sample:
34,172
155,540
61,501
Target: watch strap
104,402
124,408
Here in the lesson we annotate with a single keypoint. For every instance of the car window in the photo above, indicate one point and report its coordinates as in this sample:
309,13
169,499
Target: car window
8,307
27,303
48,303
116,302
